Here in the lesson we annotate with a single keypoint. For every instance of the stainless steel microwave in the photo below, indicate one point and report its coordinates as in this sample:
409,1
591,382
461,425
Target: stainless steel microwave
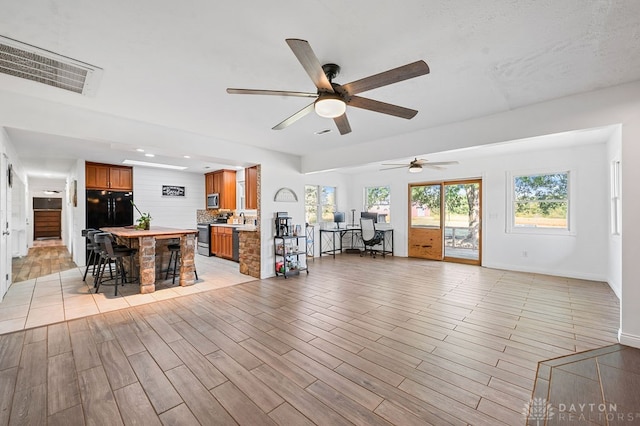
213,201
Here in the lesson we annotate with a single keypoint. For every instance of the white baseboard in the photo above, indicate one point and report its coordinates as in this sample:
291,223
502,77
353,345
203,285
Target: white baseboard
559,273
628,339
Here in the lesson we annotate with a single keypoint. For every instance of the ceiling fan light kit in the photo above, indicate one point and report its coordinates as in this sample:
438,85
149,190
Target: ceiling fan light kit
415,168
330,106
332,98
417,164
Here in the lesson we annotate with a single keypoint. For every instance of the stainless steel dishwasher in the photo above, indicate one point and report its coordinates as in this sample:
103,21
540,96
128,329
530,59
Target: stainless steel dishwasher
235,256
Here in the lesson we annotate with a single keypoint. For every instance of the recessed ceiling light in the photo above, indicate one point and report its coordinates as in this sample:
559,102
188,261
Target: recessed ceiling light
187,156
159,165
322,132
149,155
140,150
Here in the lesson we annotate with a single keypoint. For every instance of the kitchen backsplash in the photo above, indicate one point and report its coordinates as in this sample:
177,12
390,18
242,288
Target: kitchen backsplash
208,216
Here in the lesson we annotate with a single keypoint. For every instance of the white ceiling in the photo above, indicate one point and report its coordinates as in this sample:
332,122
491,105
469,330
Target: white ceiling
167,64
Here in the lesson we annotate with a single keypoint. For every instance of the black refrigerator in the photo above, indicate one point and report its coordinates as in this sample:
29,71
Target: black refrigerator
109,208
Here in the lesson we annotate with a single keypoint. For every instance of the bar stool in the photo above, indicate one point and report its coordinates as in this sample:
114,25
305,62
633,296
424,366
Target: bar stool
109,255
92,246
174,256
131,251
95,257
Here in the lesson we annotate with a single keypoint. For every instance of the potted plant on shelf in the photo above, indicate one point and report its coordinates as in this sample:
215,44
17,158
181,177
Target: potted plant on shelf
144,221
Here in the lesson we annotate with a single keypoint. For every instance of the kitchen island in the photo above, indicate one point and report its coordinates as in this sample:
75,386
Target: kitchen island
147,252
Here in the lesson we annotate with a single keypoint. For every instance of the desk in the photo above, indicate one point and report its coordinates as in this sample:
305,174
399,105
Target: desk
329,235
147,252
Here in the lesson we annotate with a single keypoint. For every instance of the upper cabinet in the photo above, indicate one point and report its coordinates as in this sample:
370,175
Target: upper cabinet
108,176
208,186
251,187
222,182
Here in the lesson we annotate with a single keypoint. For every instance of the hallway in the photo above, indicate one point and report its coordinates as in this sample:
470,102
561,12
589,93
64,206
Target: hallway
45,257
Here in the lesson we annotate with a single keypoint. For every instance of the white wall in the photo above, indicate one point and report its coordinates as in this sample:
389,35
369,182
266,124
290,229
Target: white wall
76,215
614,252
582,255
175,212
20,246
630,301
19,198
7,149
277,171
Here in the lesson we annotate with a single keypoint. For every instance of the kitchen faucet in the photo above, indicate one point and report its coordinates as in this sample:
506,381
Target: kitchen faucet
242,216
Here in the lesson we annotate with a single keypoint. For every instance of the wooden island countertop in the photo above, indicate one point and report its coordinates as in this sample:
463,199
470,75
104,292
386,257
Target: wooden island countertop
155,231
147,251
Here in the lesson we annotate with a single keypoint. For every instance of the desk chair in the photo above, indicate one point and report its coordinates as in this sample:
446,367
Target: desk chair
370,237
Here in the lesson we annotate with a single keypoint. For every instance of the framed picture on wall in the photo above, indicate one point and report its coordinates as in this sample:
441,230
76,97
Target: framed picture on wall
73,193
173,191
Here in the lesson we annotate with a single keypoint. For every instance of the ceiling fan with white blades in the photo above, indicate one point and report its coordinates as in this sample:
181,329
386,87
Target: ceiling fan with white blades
416,165
331,99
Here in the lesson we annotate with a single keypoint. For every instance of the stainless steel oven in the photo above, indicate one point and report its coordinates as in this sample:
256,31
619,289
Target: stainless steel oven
204,239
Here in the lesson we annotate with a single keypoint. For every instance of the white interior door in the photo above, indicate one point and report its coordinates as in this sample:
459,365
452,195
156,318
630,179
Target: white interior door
5,252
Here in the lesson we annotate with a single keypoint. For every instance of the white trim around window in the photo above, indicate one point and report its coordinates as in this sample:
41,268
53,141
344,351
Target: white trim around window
511,228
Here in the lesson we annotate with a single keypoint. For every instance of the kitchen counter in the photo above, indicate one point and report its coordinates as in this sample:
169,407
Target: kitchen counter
239,226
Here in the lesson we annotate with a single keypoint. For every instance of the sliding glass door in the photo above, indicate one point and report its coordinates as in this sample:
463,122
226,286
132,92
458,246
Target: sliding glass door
445,221
462,221
425,221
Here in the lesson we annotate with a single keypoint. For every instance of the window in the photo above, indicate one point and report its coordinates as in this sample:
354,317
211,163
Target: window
616,211
240,202
540,202
377,199
321,199
425,206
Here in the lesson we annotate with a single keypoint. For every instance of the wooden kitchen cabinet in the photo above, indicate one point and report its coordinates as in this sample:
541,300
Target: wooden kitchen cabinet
222,182
107,176
226,249
121,178
251,187
208,184
214,242
222,241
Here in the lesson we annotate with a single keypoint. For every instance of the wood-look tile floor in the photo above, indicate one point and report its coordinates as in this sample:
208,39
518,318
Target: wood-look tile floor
44,258
598,387
357,341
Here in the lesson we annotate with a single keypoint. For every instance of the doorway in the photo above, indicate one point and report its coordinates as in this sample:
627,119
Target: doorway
6,176
47,218
445,221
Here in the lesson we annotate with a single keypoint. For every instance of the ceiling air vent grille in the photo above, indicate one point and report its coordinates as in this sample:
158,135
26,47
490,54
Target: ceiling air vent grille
29,62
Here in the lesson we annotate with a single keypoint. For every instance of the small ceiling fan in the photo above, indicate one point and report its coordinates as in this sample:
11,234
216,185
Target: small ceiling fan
331,99
416,165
